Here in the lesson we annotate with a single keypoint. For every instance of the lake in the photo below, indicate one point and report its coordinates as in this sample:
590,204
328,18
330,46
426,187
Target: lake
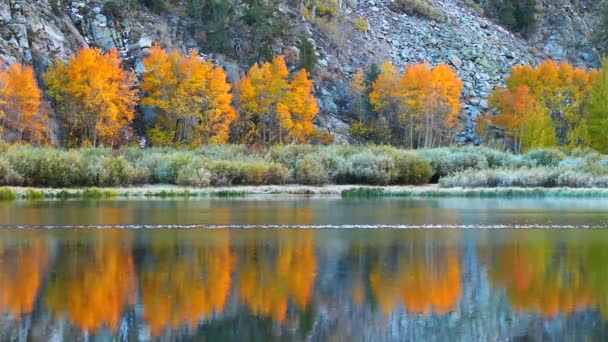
304,268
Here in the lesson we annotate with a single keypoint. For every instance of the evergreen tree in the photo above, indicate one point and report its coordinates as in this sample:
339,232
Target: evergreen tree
308,57
597,111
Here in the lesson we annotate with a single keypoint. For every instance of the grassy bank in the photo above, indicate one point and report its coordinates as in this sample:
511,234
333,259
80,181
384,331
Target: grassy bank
344,191
473,192
226,166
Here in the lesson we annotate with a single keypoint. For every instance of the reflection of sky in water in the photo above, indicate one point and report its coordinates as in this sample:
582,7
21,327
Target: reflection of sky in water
355,284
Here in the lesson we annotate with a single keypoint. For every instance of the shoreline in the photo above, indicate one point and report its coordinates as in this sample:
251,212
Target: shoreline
344,191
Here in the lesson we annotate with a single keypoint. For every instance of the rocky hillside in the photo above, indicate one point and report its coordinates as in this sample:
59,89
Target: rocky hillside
364,32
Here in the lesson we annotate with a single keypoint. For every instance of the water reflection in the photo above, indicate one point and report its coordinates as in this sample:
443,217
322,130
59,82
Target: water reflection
302,283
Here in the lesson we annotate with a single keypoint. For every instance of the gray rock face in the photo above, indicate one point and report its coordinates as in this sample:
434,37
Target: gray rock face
480,51
30,32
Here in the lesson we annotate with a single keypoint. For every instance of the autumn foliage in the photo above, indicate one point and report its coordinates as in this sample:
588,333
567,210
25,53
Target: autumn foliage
423,102
276,109
192,97
94,97
21,109
553,104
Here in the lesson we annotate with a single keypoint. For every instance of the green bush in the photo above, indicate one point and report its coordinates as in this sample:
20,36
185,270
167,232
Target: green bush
492,178
47,166
370,168
310,171
116,171
253,173
225,172
169,165
411,169
446,161
276,174
7,175
33,194
7,194
544,157
421,8
194,174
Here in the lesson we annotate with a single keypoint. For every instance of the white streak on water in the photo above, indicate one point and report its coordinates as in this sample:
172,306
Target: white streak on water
296,226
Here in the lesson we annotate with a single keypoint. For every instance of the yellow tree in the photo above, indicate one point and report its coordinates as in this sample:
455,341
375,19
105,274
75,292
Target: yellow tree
385,97
22,104
274,109
191,95
302,106
359,90
522,118
93,96
562,90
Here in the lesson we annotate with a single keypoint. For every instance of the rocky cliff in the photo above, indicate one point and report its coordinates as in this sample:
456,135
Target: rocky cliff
37,31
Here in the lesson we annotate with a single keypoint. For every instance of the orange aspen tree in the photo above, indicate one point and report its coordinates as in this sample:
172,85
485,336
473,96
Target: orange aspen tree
93,96
424,102
191,95
302,106
562,91
22,105
522,118
275,109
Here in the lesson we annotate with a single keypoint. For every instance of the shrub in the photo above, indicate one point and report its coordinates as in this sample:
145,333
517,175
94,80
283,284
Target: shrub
7,194
116,171
276,174
418,8
253,173
445,161
361,24
224,172
369,168
169,165
544,157
310,171
526,177
411,169
7,175
194,174
47,167
33,194
289,155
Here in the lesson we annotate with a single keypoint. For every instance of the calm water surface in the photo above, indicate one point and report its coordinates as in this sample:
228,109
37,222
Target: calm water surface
213,270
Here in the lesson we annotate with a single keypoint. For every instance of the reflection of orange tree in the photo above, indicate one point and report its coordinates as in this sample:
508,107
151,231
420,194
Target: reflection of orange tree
540,277
23,265
269,279
424,279
190,279
94,283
